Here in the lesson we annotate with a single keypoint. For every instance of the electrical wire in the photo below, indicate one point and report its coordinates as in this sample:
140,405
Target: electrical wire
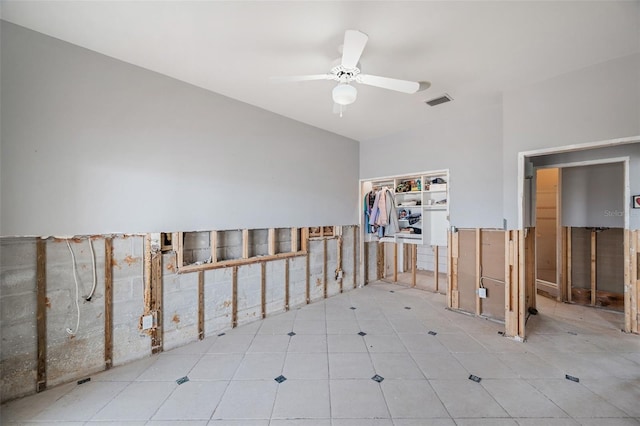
95,278
75,279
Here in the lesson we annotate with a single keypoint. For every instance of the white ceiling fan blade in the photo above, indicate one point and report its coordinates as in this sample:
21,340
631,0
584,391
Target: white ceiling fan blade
354,42
294,78
403,86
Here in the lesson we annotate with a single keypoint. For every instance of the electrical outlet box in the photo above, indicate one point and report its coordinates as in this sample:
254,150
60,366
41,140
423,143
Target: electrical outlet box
147,322
339,275
482,293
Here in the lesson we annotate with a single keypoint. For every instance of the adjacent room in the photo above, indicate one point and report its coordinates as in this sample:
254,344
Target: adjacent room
344,213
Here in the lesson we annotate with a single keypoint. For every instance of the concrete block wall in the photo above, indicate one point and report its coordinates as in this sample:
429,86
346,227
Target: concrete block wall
196,247
371,265
229,245
73,357
426,258
17,316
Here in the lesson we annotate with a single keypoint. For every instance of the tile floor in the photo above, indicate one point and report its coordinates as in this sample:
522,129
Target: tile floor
329,369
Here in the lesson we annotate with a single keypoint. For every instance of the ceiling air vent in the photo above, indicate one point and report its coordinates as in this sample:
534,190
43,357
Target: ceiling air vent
440,100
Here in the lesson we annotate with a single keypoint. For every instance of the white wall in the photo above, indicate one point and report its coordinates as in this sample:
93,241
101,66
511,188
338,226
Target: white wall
469,145
597,103
94,145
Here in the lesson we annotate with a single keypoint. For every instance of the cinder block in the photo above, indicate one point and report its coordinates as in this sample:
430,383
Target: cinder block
17,253
197,240
129,344
17,281
124,246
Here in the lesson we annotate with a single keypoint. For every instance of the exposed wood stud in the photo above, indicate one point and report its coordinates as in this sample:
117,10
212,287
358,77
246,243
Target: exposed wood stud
245,243
449,269
234,298
593,268
41,314
272,241
238,262
180,252
156,302
324,268
286,284
530,267
436,268
395,262
521,284
147,270
201,305
414,264
305,240
355,256
339,259
295,244
263,289
307,285
214,246
628,288
380,261
478,270
366,262
635,280
568,257
108,303
507,285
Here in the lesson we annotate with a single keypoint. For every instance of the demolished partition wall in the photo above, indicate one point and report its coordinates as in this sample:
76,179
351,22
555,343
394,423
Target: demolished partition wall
38,294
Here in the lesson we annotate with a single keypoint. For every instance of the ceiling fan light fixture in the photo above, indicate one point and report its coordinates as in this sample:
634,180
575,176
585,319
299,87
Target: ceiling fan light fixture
344,94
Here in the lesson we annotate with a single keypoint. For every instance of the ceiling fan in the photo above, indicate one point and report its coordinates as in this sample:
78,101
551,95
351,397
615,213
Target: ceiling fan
347,71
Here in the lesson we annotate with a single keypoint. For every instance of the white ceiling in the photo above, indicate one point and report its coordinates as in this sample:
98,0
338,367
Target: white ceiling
471,50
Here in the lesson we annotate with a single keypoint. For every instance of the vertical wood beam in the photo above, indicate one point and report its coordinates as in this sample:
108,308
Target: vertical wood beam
436,268
478,270
179,253
339,259
295,244
272,241
245,243
522,284
379,261
286,284
455,296
156,301
108,303
355,256
628,287
593,268
414,264
305,240
324,268
395,262
234,297
200,305
562,268
214,246
531,267
507,284
147,270
366,262
263,289
569,271
41,314
635,282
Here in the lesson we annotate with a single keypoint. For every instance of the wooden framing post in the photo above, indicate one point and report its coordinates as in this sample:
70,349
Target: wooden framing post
453,271
325,282
569,271
245,243
635,281
307,288
593,267
530,267
272,241
108,303
436,268
355,256
200,305
286,284
379,261
263,289
395,262
512,283
628,287
366,262
522,285
305,240
234,297
178,241
214,246
562,282
339,261
414,264
295,244
156,300
478,270
41,314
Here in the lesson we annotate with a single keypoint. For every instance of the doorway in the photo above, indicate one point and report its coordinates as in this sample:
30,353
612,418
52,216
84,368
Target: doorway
547,225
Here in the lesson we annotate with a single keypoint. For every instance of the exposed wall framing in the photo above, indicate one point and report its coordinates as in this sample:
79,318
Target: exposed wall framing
108,303
41,315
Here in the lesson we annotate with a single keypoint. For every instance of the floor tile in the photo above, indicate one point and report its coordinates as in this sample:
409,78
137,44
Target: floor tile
138,401
306,366
192,401
342,327
126,372
169,368
575,399
459,342
485,365
422,342
464,398
307,343
361,399
275,326
269,343
194,348
520,399
376,326
423,422
260,366
396,366
530,365
251,399
175,423
624,394
547,422
81,403
300,422
440,366
486,422
231,343
350,366
384,343
412,399
310,327
244,422
216,367
346,343
408,326
362,422
609,422
302,399
25,409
